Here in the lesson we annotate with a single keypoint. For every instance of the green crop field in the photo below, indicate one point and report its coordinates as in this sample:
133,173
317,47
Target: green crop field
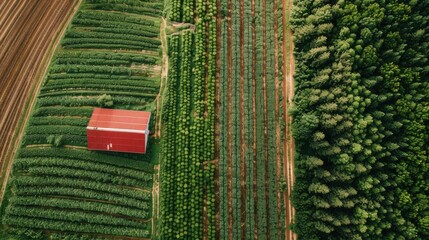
58,188
188,147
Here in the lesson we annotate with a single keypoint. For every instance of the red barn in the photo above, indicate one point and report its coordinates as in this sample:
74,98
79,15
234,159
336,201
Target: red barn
118,130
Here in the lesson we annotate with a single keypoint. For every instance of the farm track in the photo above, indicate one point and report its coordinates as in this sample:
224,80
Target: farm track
288,89
164,77
28,31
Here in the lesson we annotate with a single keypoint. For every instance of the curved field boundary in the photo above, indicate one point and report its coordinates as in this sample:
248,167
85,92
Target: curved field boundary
28,39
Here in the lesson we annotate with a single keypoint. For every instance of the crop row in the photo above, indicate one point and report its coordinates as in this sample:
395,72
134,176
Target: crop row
118,27
102,75
128,57
100,87
103,81
52,202
36,181
223,141
107,43
89,195
69,101
24,163
80,173
144,32
60,225
117,161
73,216
96,93
114,17
83,122
66,61
77,68
249,137
56,129
271,144
149,9
69,139
74,34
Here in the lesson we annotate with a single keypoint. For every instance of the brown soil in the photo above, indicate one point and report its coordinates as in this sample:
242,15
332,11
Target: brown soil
288,88
28,31
164,78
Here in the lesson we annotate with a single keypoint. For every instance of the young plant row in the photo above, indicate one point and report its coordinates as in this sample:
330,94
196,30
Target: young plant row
148,8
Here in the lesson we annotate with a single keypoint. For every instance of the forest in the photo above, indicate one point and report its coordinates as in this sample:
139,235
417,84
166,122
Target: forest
361,117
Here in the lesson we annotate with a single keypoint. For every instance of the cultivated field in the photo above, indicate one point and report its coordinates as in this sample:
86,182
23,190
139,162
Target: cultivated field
27,38
188,147
255,146
109,57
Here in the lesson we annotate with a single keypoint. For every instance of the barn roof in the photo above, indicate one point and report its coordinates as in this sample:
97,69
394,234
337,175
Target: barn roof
119,120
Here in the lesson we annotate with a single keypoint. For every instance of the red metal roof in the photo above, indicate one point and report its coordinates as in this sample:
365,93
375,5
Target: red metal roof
118,120
118,130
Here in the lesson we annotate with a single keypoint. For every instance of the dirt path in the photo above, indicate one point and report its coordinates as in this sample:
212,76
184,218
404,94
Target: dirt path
25,53
164,77
288,89
155,201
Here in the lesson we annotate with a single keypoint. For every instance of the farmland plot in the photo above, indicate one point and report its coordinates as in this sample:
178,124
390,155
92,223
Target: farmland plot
108,57
251,189
187,167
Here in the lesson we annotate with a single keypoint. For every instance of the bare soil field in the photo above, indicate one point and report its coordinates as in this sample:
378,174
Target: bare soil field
27,38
